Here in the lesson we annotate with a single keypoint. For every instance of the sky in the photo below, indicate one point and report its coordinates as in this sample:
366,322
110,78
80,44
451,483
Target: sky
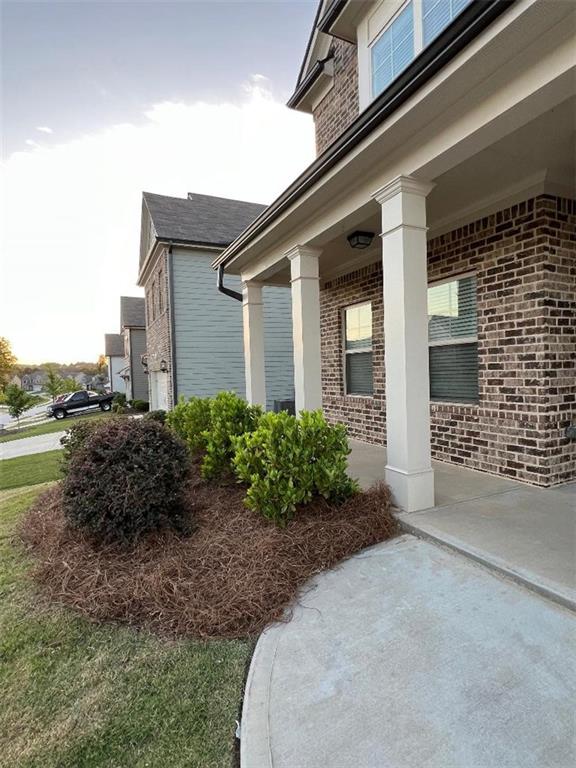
103,100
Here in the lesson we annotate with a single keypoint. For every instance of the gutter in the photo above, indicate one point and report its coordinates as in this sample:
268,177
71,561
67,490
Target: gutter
467,26
222,288
170,265
332,12
309,81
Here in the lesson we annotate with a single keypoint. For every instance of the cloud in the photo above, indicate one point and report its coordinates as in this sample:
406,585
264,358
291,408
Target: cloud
44,129
72,211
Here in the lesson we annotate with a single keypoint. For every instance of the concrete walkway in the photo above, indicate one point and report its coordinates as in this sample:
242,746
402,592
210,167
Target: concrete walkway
29,445
410,656
525,532
528,534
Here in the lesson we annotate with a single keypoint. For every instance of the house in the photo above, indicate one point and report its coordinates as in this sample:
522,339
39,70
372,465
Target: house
194,335
431,246
15,380
34,381
114,353
133,331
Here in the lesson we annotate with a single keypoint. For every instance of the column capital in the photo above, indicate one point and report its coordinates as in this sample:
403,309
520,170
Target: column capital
304,262
302,250
251,292
403,185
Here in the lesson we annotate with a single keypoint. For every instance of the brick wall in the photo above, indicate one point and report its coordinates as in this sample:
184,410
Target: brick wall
525,262
340,105
158,330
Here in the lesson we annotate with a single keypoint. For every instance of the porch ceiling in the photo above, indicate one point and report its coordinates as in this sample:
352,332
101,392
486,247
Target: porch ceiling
536,159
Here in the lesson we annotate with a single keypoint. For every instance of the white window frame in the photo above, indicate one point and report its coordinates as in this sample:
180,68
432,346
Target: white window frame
417,34
460,340
346,352
385,28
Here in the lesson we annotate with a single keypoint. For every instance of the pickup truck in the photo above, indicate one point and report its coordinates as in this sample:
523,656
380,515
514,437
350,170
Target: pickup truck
82,400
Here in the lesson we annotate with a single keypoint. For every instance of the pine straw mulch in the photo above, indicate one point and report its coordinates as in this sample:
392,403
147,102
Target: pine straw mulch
236,572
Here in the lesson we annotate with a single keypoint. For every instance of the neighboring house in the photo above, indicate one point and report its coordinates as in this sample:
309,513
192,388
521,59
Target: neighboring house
114,353
431,246
34,381
16,380
133,331
194,335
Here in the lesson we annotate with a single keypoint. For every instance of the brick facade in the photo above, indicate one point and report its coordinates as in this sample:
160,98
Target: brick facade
525,262
339,107
158,327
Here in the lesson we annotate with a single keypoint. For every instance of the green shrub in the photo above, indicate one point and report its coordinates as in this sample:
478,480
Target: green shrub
159,416
190,419
125,478
119,398
230,416
287,461
139,405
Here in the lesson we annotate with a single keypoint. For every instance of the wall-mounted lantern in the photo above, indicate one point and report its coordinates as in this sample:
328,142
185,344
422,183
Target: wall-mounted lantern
164,366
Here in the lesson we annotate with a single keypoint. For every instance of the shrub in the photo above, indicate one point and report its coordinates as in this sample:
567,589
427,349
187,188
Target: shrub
159,416
287,461
119,398
125,478
139,405
230,416
74,439
190,419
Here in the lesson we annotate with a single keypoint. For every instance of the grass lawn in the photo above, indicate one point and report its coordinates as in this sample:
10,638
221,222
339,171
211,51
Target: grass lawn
51,426
80,695
29,470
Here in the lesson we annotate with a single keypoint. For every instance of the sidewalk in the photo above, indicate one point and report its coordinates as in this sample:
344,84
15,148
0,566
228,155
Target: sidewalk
29,445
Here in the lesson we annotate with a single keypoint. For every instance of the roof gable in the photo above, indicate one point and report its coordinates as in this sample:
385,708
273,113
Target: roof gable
132,312
200,219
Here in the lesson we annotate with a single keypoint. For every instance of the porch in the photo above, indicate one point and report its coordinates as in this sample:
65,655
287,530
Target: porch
525,533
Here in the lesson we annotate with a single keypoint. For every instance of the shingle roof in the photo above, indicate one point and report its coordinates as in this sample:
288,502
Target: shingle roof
200,219
132,312
113,345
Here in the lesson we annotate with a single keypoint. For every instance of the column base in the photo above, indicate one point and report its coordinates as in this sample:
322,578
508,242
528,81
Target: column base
412,491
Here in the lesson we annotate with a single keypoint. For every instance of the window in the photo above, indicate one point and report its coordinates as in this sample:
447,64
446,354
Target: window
358,349
409,32
393,50
160,292
437,14
153,300
453,340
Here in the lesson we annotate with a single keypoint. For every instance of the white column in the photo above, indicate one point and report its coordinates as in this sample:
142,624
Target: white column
254,361
408,470
305,283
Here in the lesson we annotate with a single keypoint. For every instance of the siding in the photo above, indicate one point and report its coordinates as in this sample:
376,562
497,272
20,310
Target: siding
115,366
138,379
208,332
278,344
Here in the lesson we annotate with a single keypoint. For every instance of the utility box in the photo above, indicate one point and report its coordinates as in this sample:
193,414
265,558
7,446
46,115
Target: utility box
285,405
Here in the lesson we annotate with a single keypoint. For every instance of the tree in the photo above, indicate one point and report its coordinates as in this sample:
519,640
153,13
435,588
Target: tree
54,383
7,361
18,401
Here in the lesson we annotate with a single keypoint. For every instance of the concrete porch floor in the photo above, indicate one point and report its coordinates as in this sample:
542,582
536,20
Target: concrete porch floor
524,532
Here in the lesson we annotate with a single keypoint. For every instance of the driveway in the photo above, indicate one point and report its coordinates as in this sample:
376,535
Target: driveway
413,656
29,445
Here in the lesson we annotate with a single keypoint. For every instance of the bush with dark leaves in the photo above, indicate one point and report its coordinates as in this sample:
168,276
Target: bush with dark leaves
126,478
159,416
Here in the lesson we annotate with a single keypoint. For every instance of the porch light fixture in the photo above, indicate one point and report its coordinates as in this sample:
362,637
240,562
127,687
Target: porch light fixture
164,366
360,239
144,361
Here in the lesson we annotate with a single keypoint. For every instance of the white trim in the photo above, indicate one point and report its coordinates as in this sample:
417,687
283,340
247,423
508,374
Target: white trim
361,350
459,276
